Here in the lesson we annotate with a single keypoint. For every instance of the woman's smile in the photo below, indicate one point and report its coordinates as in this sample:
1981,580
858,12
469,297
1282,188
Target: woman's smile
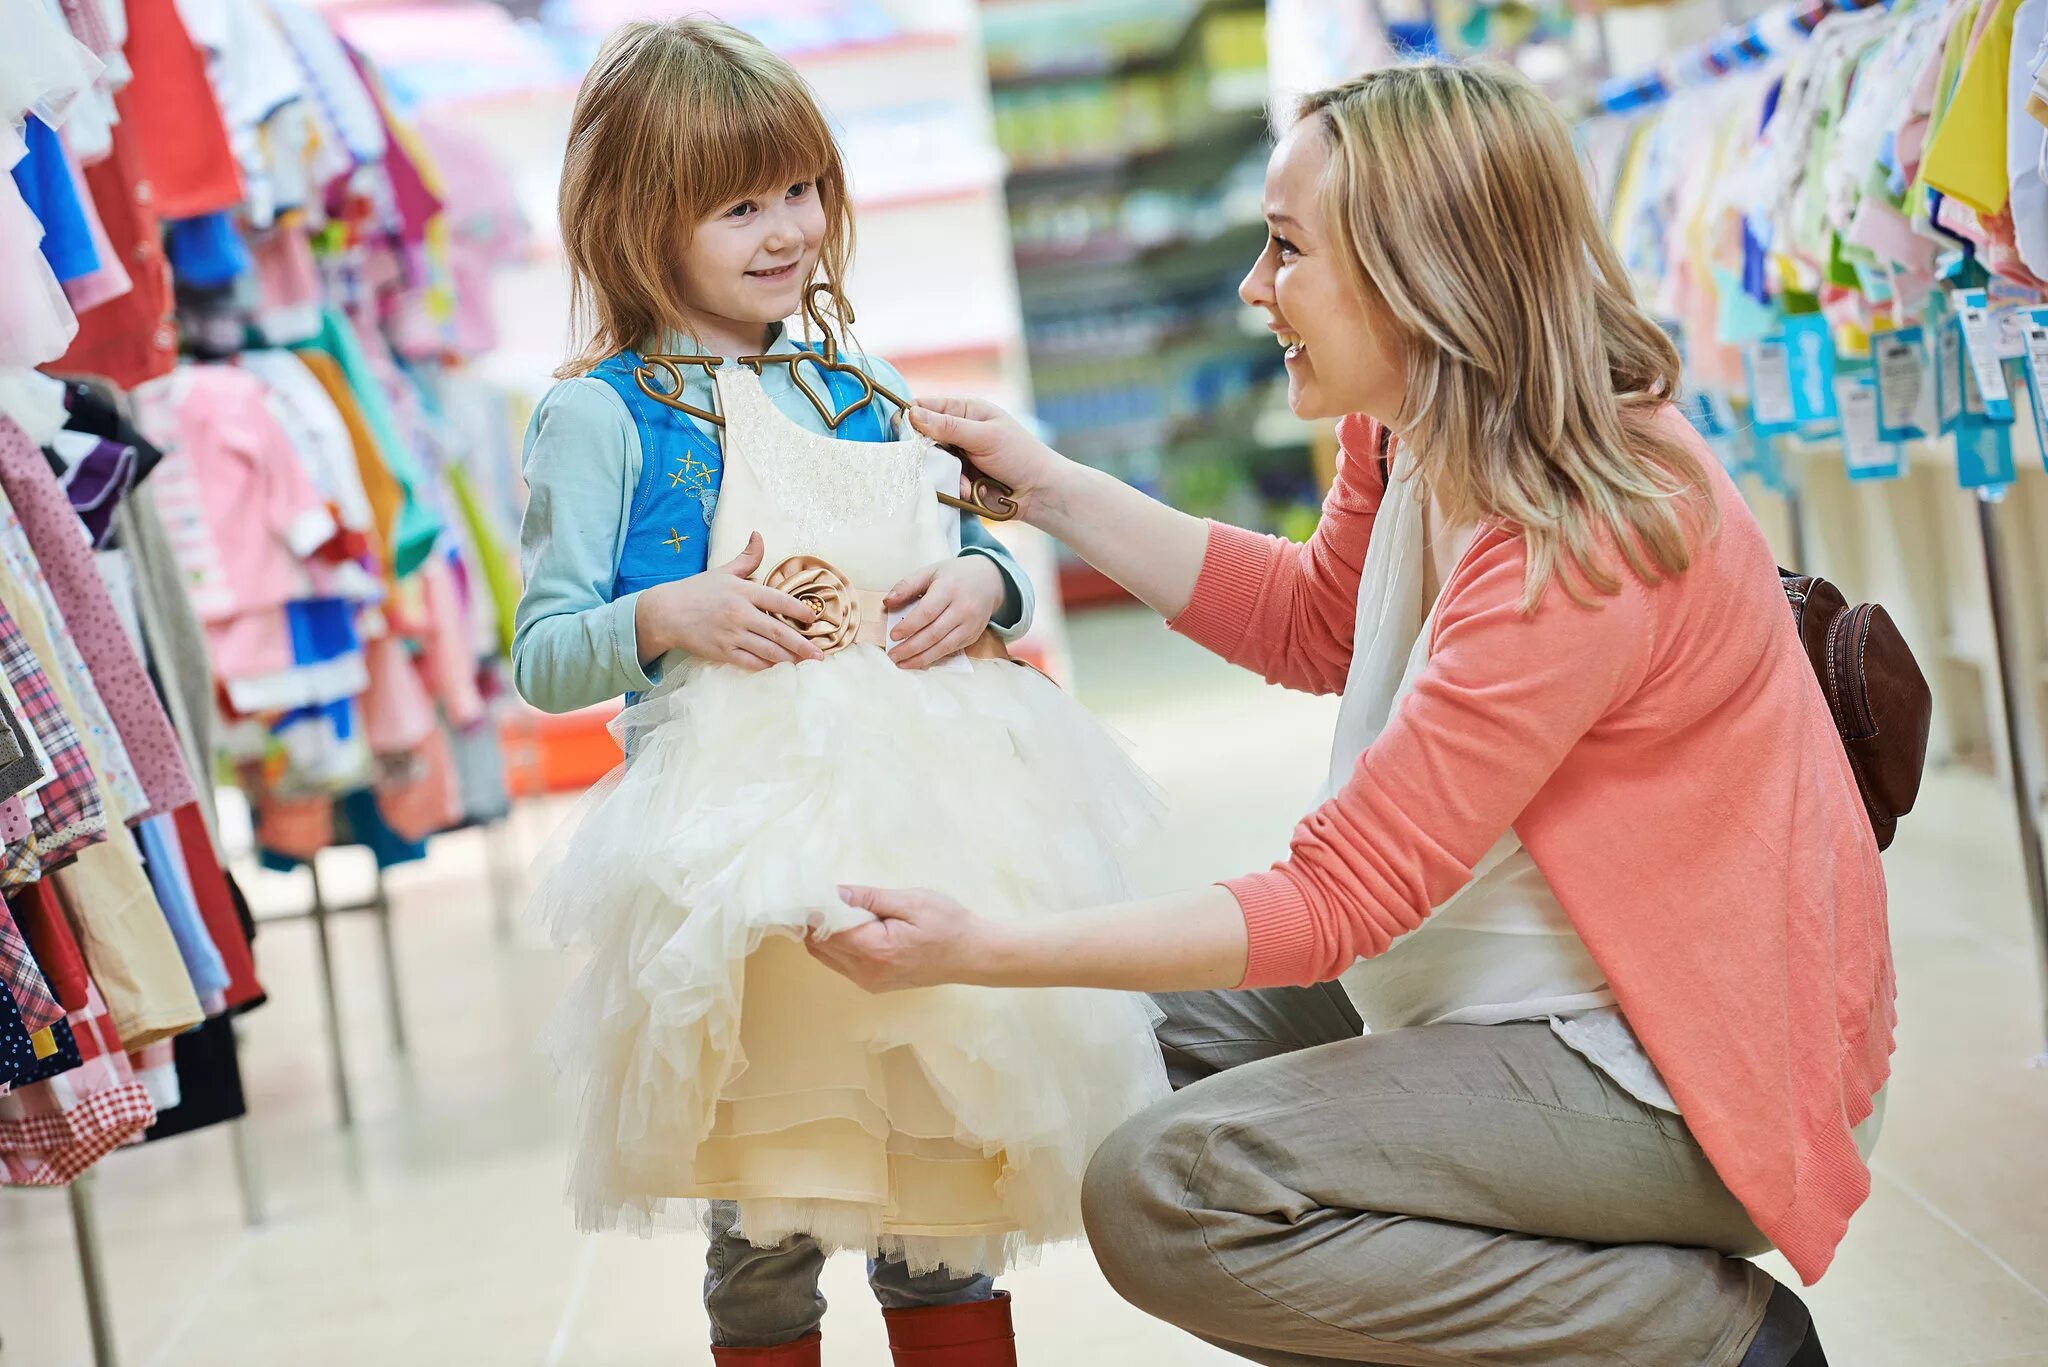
1292,347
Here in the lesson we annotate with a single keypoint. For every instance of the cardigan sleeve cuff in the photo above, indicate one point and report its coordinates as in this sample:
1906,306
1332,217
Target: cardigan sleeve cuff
626,644
1281,937
1226,597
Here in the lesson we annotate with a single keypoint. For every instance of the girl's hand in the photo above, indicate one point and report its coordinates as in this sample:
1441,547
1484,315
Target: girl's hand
917,939
724,616
996,444
955,600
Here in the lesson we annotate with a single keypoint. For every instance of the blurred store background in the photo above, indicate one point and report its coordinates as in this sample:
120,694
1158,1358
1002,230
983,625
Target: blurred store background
1056,200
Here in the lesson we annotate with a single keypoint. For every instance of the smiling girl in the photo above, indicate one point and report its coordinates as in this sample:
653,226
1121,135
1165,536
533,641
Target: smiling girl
792,728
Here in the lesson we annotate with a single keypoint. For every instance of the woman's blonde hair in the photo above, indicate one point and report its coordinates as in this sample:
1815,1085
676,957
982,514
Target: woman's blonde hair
675,121
1534,382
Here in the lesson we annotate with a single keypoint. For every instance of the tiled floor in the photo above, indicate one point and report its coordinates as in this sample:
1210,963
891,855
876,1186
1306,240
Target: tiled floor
435,1233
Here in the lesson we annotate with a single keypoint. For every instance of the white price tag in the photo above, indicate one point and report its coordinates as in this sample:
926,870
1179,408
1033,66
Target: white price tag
2034,336
1864,449
1981,342
1902,390
2009,327
1771,384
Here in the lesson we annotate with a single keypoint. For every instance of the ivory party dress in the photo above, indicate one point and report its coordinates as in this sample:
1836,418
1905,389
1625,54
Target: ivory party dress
716,1059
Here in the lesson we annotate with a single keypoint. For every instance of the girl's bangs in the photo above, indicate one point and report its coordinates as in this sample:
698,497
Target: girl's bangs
773,137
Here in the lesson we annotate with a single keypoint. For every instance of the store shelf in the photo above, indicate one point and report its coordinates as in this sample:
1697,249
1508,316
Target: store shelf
1114,249
1160,59
1223,137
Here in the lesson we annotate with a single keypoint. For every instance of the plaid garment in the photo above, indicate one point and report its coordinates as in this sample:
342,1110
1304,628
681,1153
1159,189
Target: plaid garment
71,817
42,622
48,527
54,1131
23,977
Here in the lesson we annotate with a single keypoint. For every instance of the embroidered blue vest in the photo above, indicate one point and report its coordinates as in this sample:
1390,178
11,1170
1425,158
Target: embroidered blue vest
668,531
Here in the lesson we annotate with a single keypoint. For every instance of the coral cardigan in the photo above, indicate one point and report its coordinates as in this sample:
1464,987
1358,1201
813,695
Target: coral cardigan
1667,759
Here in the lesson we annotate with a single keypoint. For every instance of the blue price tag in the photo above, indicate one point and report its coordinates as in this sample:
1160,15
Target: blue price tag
1810,358
1984,455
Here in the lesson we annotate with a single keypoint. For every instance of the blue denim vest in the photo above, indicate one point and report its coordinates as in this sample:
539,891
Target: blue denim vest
668,531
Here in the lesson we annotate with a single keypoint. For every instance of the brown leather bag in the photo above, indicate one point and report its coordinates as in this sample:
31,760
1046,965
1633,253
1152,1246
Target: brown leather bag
1880,700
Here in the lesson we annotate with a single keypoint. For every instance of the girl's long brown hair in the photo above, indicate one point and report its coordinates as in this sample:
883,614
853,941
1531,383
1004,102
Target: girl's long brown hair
1535,385
675,121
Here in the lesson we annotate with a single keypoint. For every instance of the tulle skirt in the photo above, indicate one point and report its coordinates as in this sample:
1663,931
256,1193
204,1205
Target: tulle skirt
717,1061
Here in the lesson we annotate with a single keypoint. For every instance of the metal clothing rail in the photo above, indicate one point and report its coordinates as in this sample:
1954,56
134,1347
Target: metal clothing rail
82,1193
2013,686
1733,49
320,911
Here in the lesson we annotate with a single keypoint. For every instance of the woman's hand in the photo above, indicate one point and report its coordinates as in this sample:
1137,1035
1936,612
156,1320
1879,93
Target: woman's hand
1184,942
955,600
1144,545
722,615
996,444
917,939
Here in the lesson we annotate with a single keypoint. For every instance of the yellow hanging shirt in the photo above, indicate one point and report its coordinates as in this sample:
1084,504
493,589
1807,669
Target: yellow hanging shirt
1966,157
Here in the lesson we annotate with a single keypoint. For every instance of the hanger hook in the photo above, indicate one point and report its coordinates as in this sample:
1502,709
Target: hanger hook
812,311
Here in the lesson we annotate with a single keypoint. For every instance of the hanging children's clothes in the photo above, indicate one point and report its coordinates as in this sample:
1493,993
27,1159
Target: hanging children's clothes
718,1060
69,811
52,1133
182,135
118,676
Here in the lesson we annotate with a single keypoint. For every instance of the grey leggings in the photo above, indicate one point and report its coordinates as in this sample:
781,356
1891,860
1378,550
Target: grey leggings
759,1297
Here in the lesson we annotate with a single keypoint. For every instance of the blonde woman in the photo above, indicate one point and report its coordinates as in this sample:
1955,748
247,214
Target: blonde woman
1591,871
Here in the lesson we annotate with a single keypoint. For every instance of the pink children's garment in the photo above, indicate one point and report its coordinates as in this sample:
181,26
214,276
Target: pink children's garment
118,675
242,513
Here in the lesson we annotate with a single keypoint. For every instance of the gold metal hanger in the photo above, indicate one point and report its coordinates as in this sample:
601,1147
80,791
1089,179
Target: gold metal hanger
988,497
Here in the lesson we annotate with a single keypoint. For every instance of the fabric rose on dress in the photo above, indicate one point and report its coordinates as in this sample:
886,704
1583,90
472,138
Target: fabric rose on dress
825,591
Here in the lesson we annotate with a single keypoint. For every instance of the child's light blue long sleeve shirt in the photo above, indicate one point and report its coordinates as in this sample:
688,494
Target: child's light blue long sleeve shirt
574,645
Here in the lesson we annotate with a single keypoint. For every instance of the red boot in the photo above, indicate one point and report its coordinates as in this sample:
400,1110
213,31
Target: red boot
802,1353
977,1334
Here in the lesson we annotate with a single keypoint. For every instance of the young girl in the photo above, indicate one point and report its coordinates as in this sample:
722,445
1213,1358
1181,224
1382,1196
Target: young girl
814,639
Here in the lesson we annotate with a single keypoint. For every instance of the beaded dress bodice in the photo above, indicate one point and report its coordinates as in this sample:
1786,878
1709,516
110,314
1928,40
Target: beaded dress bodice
869,508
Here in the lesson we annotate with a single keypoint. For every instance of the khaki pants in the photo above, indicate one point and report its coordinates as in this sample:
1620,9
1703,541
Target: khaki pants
1448,1194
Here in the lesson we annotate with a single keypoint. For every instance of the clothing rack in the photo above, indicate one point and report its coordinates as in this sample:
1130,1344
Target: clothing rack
321,912
1748,45
2012,686
1736,48
82,1195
